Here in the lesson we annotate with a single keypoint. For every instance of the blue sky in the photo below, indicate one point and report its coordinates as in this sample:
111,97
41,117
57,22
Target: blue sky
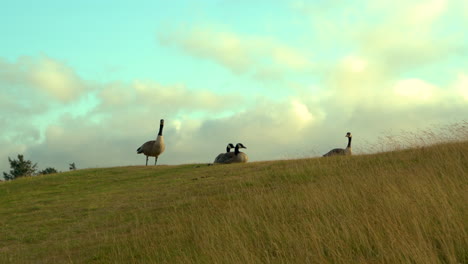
88,81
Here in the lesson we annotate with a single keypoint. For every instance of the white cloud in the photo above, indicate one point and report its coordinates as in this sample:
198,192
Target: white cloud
223,47
116,94
398,36
242,54
144,95
426,12
42,77
415,90
289,57
461,86
33,89
354,63
56,79
302,112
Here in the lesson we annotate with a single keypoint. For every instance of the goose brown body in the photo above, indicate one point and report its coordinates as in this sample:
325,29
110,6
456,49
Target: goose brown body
154,148
222,157
340,151
233,157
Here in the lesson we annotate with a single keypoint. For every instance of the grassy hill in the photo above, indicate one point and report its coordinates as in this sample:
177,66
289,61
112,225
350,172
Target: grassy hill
406,206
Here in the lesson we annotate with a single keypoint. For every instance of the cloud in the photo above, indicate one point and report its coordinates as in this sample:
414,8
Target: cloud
415,90
56,80
242,54
394,51
362,83
461,86
146,96
31,89
399,36
42,76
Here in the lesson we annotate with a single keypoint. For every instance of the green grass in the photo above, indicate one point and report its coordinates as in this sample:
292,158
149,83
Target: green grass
407,206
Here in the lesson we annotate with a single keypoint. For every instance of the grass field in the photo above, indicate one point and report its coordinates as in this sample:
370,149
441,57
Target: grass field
404,206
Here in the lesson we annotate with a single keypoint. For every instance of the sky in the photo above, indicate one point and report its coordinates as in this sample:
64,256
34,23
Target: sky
88,81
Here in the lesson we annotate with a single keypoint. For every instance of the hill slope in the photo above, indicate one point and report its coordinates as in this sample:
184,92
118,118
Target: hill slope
397,207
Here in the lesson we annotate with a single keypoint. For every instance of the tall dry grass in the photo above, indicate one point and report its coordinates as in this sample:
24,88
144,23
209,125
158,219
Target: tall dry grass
405,206
395,209
422,137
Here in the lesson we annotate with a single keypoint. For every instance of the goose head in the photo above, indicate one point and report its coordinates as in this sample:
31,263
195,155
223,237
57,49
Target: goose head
348,135
161,125
229,147
240,145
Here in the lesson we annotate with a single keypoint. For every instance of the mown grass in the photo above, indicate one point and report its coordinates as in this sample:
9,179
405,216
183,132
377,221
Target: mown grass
406,206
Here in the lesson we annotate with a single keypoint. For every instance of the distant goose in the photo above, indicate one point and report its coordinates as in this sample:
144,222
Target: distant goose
154,148
234,157
340,151
223,156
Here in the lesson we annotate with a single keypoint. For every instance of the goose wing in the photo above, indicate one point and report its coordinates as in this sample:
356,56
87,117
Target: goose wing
224,157
218,158
146,147
335,152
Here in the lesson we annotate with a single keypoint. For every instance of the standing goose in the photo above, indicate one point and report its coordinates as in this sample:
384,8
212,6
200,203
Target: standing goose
223,156
154,148
340,151
236,157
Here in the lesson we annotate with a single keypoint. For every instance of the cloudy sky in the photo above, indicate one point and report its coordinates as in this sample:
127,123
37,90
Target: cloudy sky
88,81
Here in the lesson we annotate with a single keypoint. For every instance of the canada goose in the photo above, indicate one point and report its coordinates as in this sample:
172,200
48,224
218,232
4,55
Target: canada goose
240,156
154,148
223,156
340,151
234,157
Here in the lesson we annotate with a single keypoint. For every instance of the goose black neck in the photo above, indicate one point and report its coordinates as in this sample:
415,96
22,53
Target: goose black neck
236,150
228,149
349,142
160,129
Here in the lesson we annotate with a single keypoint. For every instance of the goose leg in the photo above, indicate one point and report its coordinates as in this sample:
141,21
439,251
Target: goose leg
146,160
155,160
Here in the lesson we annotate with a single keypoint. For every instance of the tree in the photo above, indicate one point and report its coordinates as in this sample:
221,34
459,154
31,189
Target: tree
72,166
20,168
48,170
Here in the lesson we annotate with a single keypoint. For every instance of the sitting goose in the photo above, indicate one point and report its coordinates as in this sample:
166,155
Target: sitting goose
223,156
340,151
236,157
240,157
